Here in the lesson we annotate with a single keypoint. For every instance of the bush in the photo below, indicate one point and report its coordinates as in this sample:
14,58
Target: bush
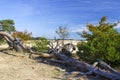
24,36
41,45
103,42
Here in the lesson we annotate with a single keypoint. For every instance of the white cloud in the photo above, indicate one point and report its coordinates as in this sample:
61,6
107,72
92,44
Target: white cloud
118,26
78,27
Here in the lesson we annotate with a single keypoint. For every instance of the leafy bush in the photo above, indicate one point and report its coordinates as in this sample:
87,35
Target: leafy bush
103,42
24,36
41,45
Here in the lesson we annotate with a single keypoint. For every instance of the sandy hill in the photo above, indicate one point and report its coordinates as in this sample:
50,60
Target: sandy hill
14,66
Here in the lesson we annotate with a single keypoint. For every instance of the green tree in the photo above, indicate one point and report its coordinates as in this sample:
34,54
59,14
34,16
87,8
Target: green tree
103,42
7,25
63,33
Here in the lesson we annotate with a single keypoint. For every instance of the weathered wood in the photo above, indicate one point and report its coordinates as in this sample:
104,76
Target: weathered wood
11,38
62,58
8,41
57,61
107,67
43,55
12,41
82,66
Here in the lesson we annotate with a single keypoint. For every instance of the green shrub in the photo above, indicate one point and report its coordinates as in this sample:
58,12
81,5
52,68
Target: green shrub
41,45
103,42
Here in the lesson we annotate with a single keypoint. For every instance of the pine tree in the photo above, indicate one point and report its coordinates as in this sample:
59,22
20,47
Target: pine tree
103,42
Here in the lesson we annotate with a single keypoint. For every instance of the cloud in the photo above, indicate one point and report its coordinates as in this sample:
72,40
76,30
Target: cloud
74,28
79,29
118,26
45,16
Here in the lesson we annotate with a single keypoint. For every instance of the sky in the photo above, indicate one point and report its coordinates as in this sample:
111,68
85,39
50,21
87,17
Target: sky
43,17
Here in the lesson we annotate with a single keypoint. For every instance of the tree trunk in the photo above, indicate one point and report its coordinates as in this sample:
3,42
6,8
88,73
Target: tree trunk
82,66
11,42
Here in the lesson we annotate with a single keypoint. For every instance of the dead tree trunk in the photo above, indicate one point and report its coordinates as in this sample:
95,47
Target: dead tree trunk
109,72
82,66
75,64
12,42
107,67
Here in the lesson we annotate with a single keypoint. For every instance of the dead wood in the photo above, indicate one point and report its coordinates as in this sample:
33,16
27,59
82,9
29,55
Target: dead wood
107,67
12,42
86,68
43,55
11,38
109,72
82,66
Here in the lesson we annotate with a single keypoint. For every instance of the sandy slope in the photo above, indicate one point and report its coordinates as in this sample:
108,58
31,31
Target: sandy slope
14,66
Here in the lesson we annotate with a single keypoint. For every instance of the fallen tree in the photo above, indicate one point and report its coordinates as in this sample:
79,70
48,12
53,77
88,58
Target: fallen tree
110,73
102,69
12,42
81,66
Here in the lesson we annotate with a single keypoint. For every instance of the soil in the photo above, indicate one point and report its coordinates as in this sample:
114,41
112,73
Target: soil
15,66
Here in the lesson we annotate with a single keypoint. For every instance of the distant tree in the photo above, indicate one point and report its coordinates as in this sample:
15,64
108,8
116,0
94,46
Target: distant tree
24,36
63,33
7,25
103,42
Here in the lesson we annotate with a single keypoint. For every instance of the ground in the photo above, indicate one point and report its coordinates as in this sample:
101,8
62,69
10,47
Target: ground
14,66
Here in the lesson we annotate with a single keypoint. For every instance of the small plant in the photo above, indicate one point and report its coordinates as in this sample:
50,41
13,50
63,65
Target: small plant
41,45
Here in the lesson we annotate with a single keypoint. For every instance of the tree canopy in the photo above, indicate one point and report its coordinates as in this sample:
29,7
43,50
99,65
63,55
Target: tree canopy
8,25
103,42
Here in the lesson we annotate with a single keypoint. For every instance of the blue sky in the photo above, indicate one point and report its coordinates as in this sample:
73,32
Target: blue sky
43,17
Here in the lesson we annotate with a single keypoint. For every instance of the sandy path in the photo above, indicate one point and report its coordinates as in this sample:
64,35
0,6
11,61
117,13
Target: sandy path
19,67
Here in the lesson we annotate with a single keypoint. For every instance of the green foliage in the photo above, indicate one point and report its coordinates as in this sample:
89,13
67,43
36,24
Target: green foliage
41,45
103,42
7,25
